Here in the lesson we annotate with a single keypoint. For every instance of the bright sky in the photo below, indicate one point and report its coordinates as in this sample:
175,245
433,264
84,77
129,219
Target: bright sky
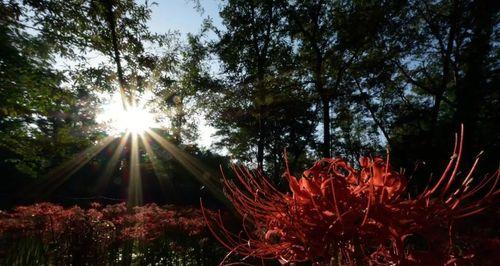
182,16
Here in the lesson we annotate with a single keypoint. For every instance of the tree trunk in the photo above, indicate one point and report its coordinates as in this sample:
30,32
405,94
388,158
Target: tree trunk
325,104
438,97
111,20
470,90
325,101
261,135
260,147
446,70
179,119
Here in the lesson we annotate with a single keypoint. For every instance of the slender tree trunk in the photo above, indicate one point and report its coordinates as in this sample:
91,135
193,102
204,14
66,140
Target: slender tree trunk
325,104
470,90
446,69
438,97
111,20
261,54
325,101
179,119
261,135
260,148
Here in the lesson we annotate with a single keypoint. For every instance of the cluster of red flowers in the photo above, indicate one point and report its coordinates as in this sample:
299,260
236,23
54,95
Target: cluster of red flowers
337,214
98,230
144,223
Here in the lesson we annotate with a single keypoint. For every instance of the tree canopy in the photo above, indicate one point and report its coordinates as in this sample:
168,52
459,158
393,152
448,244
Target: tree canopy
315,78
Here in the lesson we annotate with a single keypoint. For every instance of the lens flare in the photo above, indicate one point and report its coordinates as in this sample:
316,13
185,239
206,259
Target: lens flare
136,118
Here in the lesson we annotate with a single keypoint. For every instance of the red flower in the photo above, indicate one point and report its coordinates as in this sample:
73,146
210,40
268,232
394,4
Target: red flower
98,227
357,216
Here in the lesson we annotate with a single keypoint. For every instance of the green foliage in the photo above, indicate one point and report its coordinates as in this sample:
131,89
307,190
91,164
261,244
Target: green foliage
319,78
37,113
369,75
259,108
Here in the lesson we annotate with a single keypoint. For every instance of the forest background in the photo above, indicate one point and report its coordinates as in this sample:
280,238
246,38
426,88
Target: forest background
317,78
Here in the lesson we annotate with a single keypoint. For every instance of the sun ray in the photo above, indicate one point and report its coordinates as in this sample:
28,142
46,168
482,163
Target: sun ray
190,163
135,182
163,177
60,174
111,165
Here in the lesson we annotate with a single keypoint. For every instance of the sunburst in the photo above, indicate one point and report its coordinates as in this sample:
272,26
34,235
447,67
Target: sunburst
131,123
134,118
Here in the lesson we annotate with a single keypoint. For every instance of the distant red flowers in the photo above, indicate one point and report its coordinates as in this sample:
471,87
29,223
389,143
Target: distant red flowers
335,214
99,234
144,223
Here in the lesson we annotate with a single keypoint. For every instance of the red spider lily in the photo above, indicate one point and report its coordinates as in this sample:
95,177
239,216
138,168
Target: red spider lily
147,223
98,225
335,213
50,234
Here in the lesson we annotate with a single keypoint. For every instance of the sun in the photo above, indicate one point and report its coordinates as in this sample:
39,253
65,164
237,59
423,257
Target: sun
134,120
118,120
